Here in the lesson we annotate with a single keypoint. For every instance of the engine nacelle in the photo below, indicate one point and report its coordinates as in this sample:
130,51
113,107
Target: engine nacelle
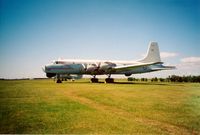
92,68
127,74
100,68
106,66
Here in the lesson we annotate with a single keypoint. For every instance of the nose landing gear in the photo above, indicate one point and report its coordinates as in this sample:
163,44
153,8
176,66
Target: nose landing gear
58,79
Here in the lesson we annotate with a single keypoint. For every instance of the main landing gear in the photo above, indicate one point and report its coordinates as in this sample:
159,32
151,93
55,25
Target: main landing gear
109,80
94,79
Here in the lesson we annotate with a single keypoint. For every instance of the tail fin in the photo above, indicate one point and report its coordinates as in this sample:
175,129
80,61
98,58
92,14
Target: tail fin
153,54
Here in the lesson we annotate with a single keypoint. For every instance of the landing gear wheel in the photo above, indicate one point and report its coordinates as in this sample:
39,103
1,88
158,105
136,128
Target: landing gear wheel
109,80
94,80
58,81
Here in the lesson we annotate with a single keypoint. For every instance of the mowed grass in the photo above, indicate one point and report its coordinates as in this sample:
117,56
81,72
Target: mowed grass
42,106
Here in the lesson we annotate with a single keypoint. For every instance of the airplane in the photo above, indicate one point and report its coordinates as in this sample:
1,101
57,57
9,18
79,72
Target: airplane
67,67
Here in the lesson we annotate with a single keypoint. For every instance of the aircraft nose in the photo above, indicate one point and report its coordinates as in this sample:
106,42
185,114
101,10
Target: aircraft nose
44,68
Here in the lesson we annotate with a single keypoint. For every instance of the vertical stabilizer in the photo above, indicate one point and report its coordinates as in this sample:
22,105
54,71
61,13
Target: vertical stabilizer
153,54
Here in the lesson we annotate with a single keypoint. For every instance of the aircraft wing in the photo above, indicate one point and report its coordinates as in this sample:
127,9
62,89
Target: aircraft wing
133,66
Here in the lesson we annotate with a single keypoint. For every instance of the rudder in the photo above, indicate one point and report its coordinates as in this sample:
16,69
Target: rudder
153,53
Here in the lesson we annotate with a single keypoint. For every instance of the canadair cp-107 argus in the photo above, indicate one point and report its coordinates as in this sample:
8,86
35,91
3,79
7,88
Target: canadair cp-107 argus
68,68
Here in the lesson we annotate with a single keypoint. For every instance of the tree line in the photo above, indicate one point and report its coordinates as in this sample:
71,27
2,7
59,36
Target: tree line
172,78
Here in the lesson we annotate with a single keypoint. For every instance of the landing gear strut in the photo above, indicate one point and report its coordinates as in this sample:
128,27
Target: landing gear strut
94,79
58,79
109,80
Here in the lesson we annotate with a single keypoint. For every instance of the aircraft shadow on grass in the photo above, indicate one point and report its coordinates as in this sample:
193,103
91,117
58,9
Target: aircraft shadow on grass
134,83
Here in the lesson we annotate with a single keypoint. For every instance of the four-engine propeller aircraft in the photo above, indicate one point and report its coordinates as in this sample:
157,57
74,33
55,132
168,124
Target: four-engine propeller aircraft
67,68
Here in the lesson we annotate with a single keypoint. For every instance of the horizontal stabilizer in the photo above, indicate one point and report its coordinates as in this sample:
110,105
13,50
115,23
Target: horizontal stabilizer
164,68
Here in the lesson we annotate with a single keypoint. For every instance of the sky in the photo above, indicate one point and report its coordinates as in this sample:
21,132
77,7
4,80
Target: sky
35,32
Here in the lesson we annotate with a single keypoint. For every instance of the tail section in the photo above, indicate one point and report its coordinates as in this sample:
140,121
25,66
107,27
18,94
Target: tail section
153,54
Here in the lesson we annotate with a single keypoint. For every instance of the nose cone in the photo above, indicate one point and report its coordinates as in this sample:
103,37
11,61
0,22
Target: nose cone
48,68
44,68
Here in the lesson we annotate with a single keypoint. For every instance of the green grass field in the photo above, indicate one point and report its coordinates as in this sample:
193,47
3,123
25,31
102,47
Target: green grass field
42,106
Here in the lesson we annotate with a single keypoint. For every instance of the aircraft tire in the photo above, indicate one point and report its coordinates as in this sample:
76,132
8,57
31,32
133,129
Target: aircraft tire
109,80
58,81
94,80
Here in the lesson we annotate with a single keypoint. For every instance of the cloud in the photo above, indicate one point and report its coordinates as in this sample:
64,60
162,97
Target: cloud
191,60
168,54
188,66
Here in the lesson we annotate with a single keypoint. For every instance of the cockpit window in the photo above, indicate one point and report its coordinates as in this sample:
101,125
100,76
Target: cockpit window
59,62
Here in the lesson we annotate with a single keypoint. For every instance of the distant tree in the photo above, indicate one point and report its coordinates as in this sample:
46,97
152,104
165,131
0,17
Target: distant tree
175,78
168,79
198,79
185,79
130,79
152,79
161,79
180,79
195,78
136,79
155,79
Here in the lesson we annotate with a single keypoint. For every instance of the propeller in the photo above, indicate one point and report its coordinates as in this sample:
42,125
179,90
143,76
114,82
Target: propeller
43,68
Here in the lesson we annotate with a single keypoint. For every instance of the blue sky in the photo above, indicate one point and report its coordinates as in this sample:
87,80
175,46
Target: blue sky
35,32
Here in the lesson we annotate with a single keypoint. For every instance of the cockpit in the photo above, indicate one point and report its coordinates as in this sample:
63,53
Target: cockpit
58,62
